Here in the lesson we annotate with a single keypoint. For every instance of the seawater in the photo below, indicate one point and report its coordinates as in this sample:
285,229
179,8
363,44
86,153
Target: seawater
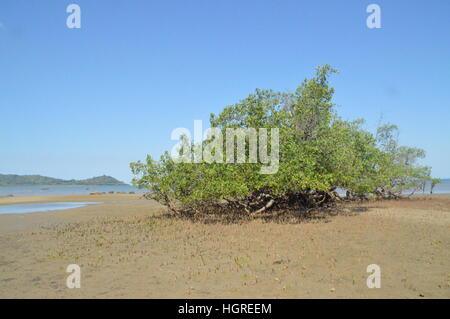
54,190
41,207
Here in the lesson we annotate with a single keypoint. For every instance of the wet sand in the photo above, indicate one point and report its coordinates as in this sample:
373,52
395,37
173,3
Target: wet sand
128,247
15,222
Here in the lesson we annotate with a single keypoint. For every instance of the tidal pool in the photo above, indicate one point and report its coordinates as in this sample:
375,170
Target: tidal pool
41,207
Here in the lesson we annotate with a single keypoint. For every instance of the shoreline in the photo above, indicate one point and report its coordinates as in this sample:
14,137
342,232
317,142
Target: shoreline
64,190
11,200
7,200
106,205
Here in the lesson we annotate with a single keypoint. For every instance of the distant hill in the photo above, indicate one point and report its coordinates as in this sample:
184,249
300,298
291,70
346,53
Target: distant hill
19,180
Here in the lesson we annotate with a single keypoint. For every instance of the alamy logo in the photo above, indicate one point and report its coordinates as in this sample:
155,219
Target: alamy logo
74,279
242,145
374,19
74,19
374,280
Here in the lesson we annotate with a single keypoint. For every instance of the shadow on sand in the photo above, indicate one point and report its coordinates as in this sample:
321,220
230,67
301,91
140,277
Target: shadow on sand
285,216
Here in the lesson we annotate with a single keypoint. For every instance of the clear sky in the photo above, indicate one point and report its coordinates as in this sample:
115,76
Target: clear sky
75,103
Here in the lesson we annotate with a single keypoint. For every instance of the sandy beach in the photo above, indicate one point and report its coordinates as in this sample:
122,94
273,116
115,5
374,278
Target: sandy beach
128,247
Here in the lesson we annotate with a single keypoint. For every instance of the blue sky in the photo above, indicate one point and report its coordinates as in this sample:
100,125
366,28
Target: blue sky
75,103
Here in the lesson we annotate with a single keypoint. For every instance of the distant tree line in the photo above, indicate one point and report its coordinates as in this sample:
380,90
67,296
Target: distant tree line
18,180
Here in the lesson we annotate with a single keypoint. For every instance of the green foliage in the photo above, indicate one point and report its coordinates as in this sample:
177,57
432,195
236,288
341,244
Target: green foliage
319,152
399,170
434,182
